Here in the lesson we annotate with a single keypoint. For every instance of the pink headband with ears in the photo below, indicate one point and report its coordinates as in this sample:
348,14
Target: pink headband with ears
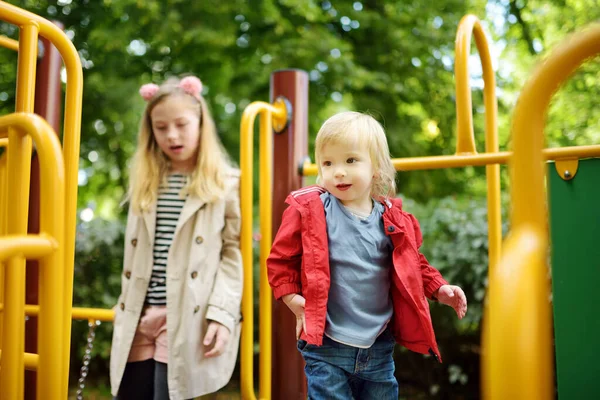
190,85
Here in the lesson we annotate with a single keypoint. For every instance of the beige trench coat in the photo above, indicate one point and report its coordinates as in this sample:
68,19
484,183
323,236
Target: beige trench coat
204,282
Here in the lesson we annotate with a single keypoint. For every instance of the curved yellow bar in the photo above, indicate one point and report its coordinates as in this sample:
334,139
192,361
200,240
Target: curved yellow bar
9,43
465,141
71,140
51,320
268,113
519,362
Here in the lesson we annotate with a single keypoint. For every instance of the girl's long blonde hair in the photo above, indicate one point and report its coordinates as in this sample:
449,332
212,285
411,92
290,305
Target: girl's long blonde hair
150,165
364,131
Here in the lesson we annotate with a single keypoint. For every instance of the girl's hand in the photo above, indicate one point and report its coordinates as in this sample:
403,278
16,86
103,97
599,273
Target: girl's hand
454,297
295,302
217,334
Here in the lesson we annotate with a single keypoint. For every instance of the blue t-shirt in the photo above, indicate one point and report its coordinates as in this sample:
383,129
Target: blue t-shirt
360,262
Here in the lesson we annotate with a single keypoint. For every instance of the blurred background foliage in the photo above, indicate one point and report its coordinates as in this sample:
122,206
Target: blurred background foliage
393,59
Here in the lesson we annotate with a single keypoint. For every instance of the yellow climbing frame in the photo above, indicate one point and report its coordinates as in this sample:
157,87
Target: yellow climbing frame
518,362
270,114
55,246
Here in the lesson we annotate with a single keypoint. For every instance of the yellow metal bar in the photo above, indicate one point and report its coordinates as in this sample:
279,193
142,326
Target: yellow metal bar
26,246
9,43
19,165
3,211
519,360
465,142
51,318
246,202
30,361
519,365
27,62
477,160
265,207
268,113
79,313
71,143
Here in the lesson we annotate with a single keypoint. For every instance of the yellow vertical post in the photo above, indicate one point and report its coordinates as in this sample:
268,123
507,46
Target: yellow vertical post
265,294
267,113
50,379
19,164
246,202
71,147
519,363
3,212
465,143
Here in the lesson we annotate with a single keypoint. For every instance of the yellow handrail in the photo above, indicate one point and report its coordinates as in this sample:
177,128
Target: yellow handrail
476,160
50,380
30,24
465,141
9,43
268,114
518,362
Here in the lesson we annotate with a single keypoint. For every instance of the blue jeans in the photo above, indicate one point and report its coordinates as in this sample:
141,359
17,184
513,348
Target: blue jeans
338,371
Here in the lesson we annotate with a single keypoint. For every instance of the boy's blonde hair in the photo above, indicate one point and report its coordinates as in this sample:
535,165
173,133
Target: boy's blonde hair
364,131
150,165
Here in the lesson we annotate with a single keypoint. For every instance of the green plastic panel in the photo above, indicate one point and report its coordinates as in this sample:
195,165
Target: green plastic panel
575,240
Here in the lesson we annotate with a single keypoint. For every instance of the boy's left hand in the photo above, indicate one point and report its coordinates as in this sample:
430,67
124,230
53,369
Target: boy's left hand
454,297
217,334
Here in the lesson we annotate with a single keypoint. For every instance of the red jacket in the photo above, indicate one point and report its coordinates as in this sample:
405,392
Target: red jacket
299,263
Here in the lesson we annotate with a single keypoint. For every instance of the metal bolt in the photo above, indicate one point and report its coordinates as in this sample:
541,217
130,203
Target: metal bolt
567,174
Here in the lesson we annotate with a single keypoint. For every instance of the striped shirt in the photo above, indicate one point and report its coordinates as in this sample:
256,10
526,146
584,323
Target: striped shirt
168,208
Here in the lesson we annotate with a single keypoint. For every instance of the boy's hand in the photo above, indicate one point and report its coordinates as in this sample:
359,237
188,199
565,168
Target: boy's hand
454,297
217,334
295,302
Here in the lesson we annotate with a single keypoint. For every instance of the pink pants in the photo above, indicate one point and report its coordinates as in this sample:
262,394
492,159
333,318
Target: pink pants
150,340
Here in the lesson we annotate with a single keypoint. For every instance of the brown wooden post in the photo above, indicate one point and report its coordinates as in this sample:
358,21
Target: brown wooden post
289,149
48,105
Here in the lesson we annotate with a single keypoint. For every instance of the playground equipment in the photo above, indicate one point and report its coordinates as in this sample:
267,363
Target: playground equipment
54,246
516,366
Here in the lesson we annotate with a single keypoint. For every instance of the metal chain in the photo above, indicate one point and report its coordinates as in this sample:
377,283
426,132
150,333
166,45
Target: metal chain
86,358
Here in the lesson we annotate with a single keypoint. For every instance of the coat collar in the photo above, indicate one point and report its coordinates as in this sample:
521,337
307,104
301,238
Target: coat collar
191,205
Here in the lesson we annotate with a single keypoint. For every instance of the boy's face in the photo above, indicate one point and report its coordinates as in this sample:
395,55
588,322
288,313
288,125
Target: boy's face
347,173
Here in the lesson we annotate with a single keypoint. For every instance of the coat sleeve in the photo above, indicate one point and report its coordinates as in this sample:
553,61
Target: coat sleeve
225,299
285,260
432,279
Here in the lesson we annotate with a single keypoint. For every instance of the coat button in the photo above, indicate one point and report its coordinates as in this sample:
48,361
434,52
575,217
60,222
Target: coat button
391,228
127,274
196,309
134,242
194,274
199,239
122,306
